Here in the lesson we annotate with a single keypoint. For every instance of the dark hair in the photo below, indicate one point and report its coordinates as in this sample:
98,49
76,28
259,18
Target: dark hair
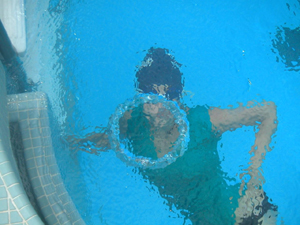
160,68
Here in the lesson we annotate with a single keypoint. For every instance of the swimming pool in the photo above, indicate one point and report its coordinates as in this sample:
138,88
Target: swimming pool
84,55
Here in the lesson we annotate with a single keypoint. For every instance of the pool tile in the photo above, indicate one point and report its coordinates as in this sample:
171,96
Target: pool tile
35,132
79,222
24,124
36,182
44,122
25,134
5,168
27,212
27,143
47,141
51,219
56,179
39,191
10,179
43,170
64,198
33,123
40,95
11,205
60,188
48,150
23,115
4,218
50,160
34,220
46,180
43,201
15,190
40,161
53,169
32,104
3,205
44,114
38,151
33,114
3,157
30,163
47,210
15,217
49,189
12,106
3,193
46,132
62,218
53,198
57,208
23,97
42,104
14,116
29,153
22,105
41,147
68,207
33,173
75,215
20,201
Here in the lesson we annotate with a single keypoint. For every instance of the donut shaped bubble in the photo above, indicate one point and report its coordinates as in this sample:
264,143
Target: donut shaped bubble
118,145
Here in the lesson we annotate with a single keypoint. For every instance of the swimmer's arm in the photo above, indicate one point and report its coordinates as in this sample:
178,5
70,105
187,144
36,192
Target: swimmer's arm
253,114
264,116
96,142
261,115
123,123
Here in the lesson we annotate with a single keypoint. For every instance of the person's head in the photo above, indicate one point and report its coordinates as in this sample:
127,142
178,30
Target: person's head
160,74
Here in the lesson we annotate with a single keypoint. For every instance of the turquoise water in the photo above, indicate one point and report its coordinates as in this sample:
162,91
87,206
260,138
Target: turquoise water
86,53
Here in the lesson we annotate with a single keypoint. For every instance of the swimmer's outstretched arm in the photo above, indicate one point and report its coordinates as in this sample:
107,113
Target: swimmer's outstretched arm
97,141
94,142
264,117
253,114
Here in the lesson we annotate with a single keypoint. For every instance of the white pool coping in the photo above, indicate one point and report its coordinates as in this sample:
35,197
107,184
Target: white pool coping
13,18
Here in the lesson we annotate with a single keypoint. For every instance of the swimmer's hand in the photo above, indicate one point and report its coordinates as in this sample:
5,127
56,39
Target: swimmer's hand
92,143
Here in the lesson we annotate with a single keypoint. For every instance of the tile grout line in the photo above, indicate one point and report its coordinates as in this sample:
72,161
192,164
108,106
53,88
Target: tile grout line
9,197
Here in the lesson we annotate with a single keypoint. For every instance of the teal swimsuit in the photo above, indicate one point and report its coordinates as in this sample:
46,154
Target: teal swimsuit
195,182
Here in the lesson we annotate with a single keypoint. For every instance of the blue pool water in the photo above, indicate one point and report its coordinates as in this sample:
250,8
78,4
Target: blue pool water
86,53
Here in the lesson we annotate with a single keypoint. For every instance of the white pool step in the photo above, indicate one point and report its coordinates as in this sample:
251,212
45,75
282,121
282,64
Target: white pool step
13,18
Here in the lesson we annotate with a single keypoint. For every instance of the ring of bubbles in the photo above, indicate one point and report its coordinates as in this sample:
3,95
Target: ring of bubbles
118,145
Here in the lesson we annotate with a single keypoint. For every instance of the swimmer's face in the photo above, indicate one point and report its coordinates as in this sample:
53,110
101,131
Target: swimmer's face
152,109
158,115
161,89
163,127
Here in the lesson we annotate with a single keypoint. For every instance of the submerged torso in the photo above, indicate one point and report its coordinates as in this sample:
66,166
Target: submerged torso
194,183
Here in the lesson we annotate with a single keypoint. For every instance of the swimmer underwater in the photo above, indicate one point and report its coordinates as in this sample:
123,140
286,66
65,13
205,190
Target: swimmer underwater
195,183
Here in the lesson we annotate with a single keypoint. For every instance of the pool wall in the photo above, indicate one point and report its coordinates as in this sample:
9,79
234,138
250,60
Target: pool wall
15,207
27,161
31,188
